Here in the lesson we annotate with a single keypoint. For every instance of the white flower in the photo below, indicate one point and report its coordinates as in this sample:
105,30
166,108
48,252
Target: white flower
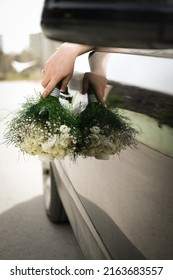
95,129
65,140
94,140
64,128
60,153
31,146
48,123
49,144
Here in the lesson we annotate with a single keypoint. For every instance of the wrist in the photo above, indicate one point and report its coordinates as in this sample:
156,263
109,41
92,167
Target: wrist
76,49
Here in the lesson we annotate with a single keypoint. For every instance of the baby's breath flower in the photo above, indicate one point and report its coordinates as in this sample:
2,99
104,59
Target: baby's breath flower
30,146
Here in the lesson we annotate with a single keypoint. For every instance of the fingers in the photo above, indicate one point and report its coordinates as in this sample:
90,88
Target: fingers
85,84
48,83
97,83
64,83
45,81
49,87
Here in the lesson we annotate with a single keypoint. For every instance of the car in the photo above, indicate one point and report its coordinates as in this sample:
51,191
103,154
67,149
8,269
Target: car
119,208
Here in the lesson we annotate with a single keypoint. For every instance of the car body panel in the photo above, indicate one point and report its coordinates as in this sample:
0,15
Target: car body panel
122,208
84,229
128,198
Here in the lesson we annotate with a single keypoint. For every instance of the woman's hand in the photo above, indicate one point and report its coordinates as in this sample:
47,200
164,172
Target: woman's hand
96,84
60,66
95,81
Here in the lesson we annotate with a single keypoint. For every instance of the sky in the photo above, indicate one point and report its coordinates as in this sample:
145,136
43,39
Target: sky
19,18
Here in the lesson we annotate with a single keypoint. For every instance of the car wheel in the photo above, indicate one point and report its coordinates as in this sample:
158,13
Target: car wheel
53,205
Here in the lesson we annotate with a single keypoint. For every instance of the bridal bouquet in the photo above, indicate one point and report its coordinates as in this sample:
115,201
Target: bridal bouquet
103,132
43,127
51,129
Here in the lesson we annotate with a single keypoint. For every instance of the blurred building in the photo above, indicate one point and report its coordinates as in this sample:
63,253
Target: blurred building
41,47
1,59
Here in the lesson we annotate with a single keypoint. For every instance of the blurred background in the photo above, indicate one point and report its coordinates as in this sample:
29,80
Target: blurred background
23,47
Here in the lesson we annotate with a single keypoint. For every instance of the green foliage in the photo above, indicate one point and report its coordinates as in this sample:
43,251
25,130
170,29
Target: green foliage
44,127
114,129
47,113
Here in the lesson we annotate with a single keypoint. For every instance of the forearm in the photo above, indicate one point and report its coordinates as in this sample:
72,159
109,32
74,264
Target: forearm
75,49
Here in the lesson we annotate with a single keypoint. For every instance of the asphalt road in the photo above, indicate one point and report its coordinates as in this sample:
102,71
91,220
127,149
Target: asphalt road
25,231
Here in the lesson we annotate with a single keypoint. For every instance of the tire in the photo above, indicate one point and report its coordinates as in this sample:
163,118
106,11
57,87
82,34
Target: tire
53,205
